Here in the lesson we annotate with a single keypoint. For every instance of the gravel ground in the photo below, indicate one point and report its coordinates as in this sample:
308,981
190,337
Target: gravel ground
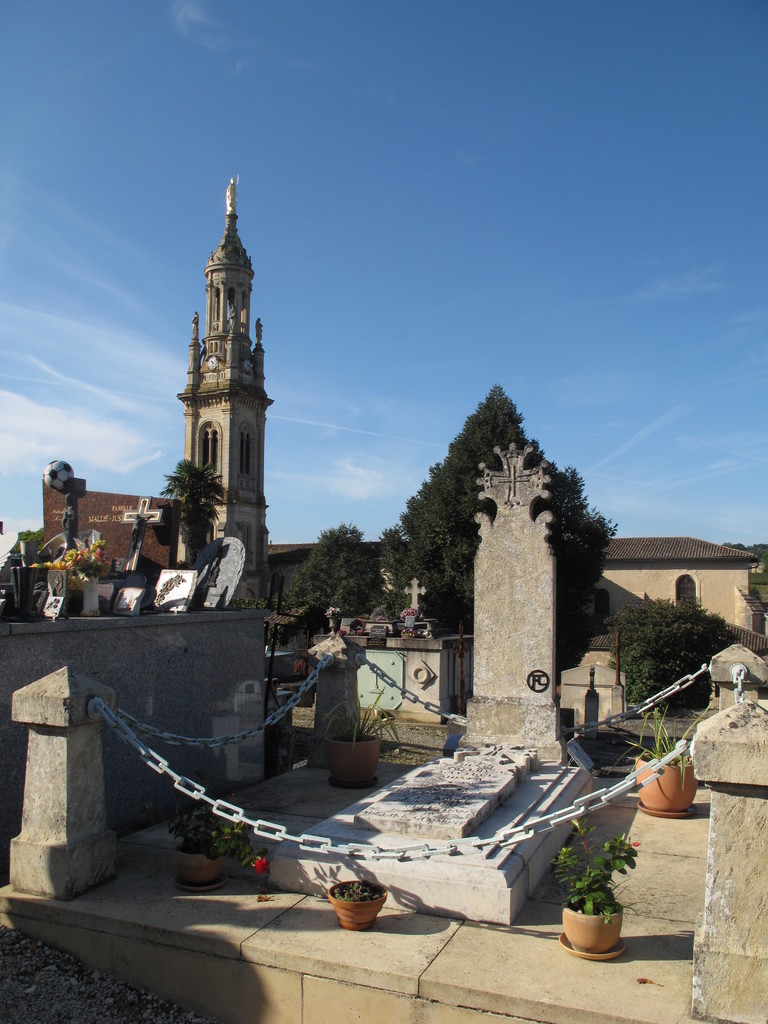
44,986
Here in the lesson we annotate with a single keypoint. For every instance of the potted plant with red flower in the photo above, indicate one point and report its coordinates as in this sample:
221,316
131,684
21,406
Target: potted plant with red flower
206,839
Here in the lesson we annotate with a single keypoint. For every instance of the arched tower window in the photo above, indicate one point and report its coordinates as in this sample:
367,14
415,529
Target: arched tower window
602,601
245,453
685,589
211,446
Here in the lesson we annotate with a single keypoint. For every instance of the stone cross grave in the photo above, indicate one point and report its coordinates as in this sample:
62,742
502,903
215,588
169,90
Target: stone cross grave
140,517
414,591
514,674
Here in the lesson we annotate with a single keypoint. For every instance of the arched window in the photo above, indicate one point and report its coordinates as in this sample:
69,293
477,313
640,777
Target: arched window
685,589
211,446
602,601
245,453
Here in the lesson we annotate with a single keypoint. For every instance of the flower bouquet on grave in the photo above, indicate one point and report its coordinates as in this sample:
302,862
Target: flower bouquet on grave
88,563
333,614
409,616
82,563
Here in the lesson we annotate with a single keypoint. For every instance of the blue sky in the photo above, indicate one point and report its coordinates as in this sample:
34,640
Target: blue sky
564,198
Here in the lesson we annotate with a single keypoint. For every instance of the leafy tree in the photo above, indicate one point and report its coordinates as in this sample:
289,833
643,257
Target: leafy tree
200,491
437,536
659,642
25,535
341,570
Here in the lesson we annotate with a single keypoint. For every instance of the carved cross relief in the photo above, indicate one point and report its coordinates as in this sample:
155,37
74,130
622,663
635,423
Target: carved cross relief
517,483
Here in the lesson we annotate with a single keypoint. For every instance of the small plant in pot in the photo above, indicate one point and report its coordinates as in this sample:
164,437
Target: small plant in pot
671,795
353,735
592,914
206,839
357,903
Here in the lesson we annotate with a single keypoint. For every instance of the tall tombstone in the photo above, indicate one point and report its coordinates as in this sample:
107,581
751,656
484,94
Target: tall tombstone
514,673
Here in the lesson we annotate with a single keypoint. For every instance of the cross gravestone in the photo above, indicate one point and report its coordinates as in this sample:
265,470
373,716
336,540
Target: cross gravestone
514,675
140,517
414,591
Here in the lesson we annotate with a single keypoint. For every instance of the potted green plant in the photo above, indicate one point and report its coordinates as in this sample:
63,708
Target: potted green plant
206,839
671,795
353,735
357,903
592,914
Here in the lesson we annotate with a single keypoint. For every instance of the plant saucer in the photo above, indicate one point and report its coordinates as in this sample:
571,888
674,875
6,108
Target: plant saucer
611,954
689,813
207,887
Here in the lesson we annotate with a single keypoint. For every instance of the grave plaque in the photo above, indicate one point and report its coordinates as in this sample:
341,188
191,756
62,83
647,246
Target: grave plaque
219,567
128,601
377,635
175,588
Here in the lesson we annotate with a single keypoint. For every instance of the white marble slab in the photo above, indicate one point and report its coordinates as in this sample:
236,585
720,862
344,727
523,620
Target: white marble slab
447,799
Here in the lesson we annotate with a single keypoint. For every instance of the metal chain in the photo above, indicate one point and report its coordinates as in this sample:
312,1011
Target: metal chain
361,658
461,720
647,705
211,742
511,836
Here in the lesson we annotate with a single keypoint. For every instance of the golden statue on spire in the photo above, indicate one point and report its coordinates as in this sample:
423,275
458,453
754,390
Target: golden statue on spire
232,196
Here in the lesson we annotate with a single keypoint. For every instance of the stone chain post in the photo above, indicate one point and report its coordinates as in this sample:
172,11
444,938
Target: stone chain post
739,673
730,956
337,683
64,847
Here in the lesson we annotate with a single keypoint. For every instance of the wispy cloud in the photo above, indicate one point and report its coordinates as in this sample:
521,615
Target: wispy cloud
357,430
696,281
749,317
105,357
192,20
651,428
353,479
65,431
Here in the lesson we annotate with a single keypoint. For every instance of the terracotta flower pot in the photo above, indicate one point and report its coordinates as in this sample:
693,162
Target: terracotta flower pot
590,934
356,917
672,792
195,869
353,764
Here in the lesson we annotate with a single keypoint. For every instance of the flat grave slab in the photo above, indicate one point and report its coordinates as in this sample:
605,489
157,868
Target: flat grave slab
448,799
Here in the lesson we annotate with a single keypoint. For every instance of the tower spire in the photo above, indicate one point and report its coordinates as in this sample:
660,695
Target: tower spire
225,402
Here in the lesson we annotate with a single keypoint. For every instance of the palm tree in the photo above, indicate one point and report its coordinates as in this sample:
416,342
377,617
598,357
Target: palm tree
200,491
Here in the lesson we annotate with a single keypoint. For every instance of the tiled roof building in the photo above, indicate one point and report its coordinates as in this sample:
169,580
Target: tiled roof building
683,568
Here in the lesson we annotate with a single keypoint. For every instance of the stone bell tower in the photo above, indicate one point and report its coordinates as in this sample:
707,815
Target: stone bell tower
225,404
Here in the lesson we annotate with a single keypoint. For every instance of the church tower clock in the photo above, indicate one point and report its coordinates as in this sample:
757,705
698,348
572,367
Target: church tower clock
225,404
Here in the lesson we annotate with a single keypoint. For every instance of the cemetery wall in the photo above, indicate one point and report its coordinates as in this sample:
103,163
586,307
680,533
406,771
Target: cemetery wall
198,674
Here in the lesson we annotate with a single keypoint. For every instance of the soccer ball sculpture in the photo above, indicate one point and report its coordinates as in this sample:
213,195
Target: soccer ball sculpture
57,475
